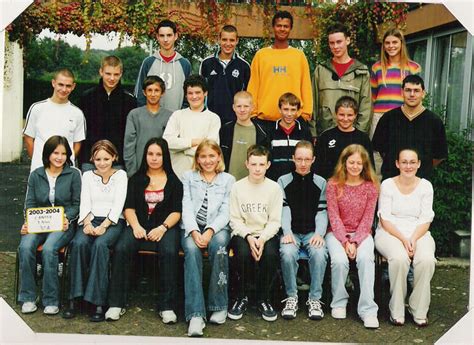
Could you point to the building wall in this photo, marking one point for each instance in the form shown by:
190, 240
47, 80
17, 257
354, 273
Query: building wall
11, 99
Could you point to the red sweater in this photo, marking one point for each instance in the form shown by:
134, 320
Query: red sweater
351, 215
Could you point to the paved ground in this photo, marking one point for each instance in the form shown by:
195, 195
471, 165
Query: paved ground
450, 287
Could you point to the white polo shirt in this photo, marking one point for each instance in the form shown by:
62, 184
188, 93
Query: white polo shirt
46, 118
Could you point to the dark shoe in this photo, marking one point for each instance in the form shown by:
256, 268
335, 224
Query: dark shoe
98, 316
238, 308
71, 311
268, 313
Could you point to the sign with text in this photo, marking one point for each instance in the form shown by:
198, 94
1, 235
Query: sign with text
44, 219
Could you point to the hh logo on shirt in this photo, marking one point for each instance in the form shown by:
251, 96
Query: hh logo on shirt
279, 69
332, 144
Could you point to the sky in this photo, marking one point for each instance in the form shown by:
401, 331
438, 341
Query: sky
109, 42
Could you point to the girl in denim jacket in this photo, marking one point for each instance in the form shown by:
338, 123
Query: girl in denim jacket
205, 223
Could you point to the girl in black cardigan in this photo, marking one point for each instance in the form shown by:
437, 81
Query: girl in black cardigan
152, 210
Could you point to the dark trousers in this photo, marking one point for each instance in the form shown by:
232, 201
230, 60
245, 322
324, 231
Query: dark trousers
89, 262
122, 259
246, 266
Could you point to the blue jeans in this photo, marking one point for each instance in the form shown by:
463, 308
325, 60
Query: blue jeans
218, 259
289, 254
365, 261
52, 243
89, 262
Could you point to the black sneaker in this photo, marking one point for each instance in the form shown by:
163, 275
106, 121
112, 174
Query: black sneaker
238, 308
268, 314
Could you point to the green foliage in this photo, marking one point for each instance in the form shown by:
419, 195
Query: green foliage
452, 183
44, 56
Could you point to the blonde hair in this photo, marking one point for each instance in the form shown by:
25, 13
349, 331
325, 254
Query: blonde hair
404, 58
339, 177
243, 95
105, 145
209, 143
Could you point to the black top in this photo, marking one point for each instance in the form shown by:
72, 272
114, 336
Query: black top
106, 117
426, 133
172, 201
283, 147
330, 145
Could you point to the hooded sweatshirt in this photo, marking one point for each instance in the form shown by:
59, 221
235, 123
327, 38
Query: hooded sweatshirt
173, 73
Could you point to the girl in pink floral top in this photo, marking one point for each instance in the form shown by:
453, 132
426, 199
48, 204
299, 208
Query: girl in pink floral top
351, 198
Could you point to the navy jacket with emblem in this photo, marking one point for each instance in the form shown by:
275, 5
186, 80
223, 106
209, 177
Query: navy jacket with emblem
224, 83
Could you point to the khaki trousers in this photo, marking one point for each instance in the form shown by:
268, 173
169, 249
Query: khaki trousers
398, 265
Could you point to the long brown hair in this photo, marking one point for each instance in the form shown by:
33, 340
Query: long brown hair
404, 58
339, 177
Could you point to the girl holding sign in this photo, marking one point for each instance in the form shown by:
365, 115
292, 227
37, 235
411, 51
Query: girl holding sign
56, 183
101, 222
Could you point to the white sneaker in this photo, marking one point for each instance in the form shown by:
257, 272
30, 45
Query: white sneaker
28, 307
371, 321
51, 310
196, 326
315, 311
168, 316
114, 313
338, 313
291, 306
218, 317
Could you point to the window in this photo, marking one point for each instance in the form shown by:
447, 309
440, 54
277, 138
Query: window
446, 59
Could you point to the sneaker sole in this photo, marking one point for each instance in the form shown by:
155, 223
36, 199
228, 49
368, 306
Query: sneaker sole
269, 318
234, 317
288, 317
29, 311
316, 318
51, 314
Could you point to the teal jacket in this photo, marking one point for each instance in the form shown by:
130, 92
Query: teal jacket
67, 194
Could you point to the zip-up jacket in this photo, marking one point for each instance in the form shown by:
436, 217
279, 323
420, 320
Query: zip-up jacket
328, 88
106, 117
67, 191
283, 147
226, 135
304, 204
173, 194
224, 83
173, 73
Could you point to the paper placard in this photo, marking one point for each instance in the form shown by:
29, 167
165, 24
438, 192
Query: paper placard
45, 219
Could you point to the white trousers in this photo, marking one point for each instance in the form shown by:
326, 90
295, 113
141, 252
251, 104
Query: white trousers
399, 264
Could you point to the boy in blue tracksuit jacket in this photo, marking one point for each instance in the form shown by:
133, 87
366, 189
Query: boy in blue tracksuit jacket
226, 74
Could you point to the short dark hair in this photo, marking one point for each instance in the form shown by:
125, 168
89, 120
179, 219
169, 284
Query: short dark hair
414, 79
338, 27
154, 79
346, 102
166, 23
258, 150
408, 148
65, 72
228, 28
282, 15
289, 98
163, 144
195, 80
51, 144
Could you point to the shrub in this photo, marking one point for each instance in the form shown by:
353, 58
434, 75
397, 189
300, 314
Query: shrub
452, 183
